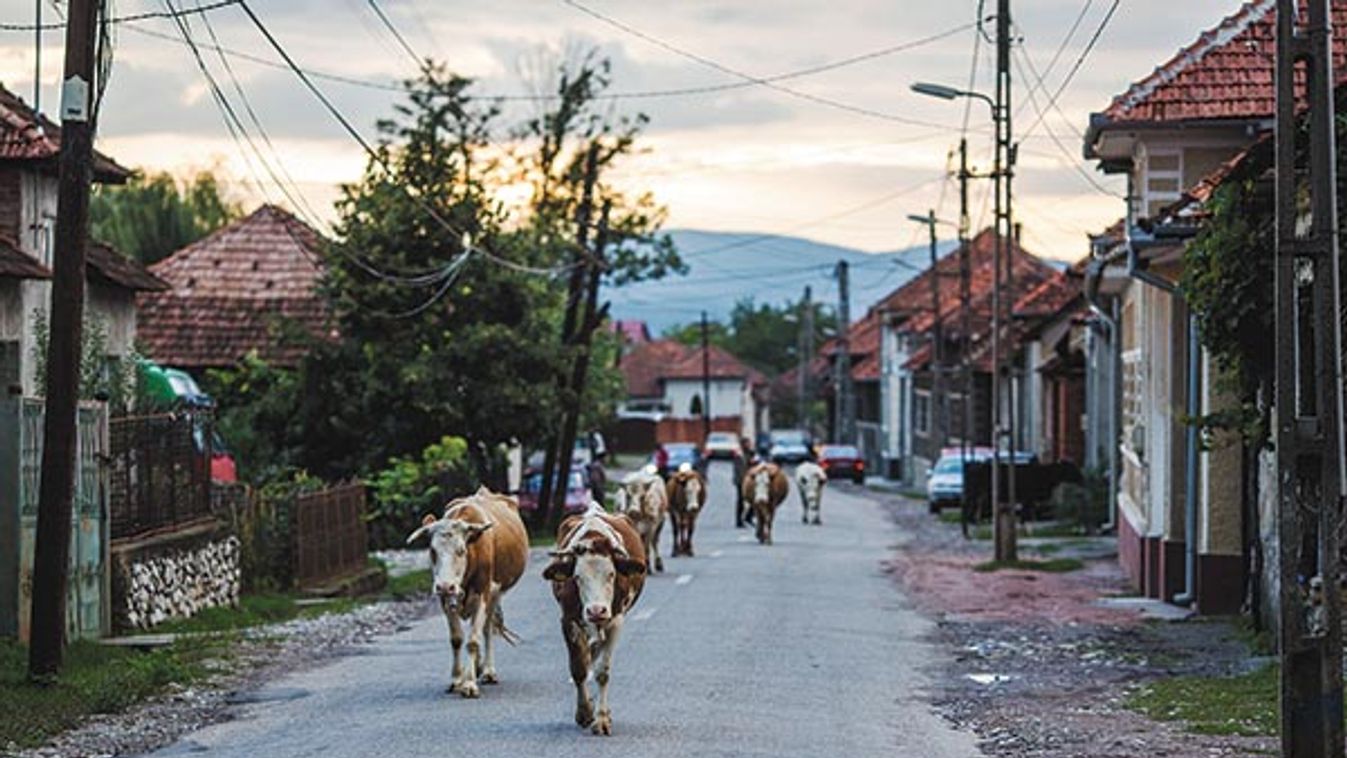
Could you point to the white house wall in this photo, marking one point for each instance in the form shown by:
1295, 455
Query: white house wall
728, 397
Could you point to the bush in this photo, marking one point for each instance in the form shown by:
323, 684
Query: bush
263, 523
1085, 504
410, 488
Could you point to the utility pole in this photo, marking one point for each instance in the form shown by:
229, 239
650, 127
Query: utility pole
938, 400
965, 300
1309, 443
845, 417
56, 490
706, 377
592, 317
1004, 516
806, 353
574, 293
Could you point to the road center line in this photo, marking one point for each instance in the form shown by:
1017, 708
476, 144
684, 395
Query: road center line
717, 553
644, 614
683, 578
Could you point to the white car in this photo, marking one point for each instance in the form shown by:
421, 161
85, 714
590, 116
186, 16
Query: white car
720, 445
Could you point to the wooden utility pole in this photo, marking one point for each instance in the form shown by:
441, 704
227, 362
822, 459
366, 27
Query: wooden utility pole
938, 399
706, 377
806, 356
1309, 443
590, 319
965, 300
845, 402
580, 259
56, 491
1003, 423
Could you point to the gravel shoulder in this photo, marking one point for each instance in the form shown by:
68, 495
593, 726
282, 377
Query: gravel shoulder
259, 655
1037, 667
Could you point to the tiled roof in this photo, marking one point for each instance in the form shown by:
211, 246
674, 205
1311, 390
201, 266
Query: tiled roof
649, 364
29, 136
16, 264
630, 332
116, 269
232, 290
1226, 74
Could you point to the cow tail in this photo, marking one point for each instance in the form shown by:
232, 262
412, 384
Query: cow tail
502, 631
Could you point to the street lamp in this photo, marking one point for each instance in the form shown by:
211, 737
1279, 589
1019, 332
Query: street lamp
944, 92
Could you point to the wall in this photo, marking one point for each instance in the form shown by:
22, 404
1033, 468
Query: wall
174, 576
727, 397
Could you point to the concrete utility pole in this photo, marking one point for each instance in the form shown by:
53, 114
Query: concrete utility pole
939, 401
1004, 516
1309, 423
806, 354
965, 301
845, 424
706, 377
574, 292
57, 488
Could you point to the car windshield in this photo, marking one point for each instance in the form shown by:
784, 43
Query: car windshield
788, 438
949, 466
720, 438
840, 451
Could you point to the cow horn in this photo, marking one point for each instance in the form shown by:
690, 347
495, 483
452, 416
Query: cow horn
426, 525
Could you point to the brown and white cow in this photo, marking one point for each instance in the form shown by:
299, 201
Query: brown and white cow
478, 551
597, 574
643, 499
810, 478
765, 486
687, 497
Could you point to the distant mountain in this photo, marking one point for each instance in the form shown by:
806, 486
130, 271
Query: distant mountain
725, 267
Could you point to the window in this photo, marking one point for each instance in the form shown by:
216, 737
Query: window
695, 407
1162, 180
921, 412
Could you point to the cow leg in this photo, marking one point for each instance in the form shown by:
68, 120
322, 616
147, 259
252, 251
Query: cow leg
677, 527
456, 641
488, 675
653, 553
468, 688
603, 724
687, 544
577, 646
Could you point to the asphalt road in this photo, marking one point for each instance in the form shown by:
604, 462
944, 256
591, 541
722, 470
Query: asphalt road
799, 649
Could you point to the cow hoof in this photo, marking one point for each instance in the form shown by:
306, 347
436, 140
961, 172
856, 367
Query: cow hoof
489, 677
469, 691
584, 716
659, 565
817, 522
603, 725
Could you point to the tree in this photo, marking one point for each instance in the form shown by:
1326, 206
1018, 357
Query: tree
764, 336
153, 215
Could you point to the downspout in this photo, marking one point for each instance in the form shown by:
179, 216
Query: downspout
1192, 409
1110, 323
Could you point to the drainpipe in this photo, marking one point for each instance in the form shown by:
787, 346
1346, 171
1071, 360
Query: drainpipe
1109, 321
1192, 409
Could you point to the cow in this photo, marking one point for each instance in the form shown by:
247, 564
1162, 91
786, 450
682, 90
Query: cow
810, 478
687, 497
764, 487
597, 573
644, 500
478, 551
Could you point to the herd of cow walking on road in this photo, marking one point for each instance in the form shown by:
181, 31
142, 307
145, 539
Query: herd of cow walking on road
479, 551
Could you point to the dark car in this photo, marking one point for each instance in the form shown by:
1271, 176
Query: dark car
789, 446
669, 456
578, 495
842, 462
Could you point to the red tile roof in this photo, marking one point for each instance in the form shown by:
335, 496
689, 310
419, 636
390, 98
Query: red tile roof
1226, 74
234, 291
649, 364
111, 267
16, 264
630, 332
26, 135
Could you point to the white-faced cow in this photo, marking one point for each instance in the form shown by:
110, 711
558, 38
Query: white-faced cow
644, 500
810, 478
687, 497
597, 573
764, 487
478, 550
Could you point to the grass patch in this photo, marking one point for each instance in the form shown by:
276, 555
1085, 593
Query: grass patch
1056, 529
1244, 705
414, 584
256, 610
96, 679
948, 516
1054, 566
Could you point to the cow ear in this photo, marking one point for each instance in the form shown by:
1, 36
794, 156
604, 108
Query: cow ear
628, 566
477, 530
428, 519
426, 524
559, 569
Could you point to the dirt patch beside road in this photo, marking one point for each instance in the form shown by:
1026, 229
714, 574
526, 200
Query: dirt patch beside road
1039, 668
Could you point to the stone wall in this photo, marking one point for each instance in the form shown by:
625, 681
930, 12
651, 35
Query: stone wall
174, 576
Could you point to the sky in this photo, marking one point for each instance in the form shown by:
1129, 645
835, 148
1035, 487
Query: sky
833, 156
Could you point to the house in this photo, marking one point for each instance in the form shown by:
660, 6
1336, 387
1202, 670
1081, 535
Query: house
1181, 510
630, 333
250, 287
1050, 361
665, 385
29, 149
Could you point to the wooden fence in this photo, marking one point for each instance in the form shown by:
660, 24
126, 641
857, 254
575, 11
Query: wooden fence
330, 536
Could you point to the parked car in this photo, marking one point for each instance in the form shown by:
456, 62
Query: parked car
170, 389
670, 455
842, 462
721, 445
944, 485
578, 495
789, 446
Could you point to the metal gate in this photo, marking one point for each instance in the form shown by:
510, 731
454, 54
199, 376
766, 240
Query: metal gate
88, 613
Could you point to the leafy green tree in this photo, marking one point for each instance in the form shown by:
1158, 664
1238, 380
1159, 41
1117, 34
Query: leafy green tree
153, 215
764, 336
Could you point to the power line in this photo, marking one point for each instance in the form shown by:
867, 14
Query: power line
710, 63
1061, 48
58, 25
397, 35
1075, 68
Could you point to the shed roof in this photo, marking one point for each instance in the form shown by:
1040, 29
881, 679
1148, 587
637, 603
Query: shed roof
16, 264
